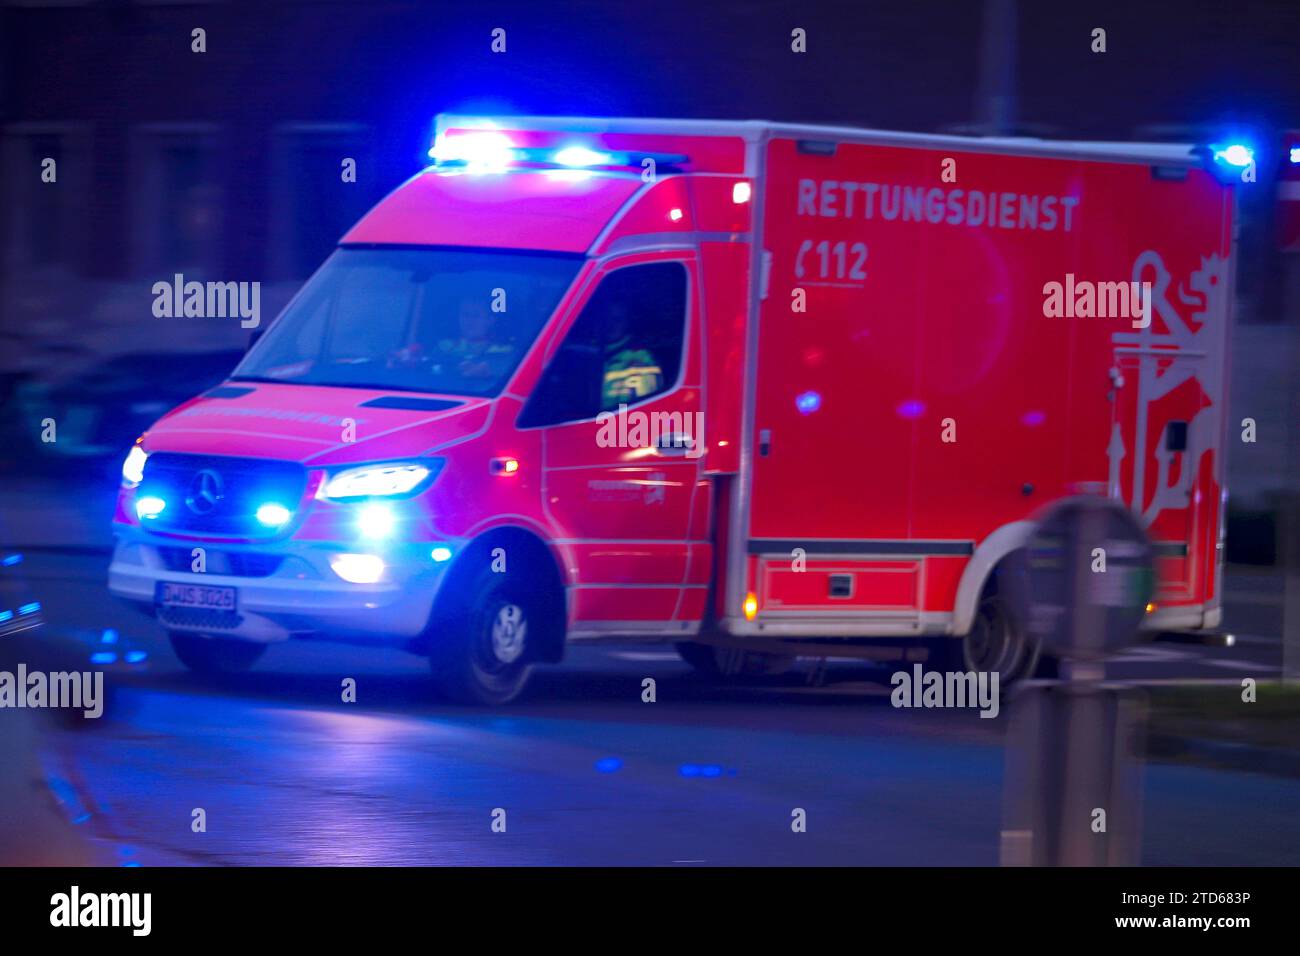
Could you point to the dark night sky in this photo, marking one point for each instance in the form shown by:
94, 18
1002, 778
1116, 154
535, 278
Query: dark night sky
1173, 69
909, 65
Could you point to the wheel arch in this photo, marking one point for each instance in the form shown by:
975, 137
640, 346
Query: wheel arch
526, 554
987, 555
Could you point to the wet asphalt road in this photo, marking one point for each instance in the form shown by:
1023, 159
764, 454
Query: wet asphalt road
585, 771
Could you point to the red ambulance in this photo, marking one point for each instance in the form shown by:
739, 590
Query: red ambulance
759, 390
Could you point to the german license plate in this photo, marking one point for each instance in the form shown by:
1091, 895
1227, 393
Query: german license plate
170, 594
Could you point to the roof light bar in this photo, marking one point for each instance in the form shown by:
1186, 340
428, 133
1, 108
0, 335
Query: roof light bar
490, 150
582, 156
480, 150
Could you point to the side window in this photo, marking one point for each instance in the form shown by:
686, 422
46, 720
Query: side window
625, 347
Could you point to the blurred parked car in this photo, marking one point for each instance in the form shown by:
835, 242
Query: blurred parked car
99, 412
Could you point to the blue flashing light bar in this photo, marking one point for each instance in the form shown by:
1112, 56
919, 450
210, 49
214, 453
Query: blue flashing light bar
493, 151
582, 156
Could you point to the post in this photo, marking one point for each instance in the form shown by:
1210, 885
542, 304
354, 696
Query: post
1073, 782
995, 91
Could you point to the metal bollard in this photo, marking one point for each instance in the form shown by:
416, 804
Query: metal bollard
1072, 791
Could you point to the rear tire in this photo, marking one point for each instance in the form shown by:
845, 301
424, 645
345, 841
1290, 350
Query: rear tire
998, 642
482, 651
215, 655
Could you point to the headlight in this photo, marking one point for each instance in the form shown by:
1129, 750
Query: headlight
387, 480
133, 467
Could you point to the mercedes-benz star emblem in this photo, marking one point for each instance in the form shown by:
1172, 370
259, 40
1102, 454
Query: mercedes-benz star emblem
205, 491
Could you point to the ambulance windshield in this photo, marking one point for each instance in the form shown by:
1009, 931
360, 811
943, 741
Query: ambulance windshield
456, 321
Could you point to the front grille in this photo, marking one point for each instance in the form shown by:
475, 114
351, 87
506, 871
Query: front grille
200, 618
218, 495
240, 564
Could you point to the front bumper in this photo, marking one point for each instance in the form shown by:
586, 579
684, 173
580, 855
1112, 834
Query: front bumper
301, 596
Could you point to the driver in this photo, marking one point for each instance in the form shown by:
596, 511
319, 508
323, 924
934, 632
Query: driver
630, 373
477, 352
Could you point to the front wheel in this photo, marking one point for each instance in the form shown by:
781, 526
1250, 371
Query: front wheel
215, 655
482, 653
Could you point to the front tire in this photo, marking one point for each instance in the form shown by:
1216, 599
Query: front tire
215, 655
482, 653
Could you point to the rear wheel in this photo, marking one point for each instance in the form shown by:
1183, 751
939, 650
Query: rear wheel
482, 652
215, 655
998, 642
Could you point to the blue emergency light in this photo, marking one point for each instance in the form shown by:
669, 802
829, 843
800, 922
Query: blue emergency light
273, 514
580, 156
1228, 162
1236, 154
494, 151
150, 506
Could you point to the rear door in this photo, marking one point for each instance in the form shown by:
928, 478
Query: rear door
1165, 455
1154, 446
1165, 451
